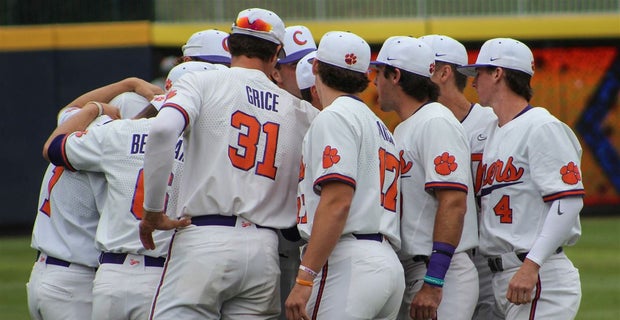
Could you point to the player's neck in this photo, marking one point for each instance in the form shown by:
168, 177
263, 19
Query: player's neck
456, 102
507, 106
407, 106
252, 63
327, 95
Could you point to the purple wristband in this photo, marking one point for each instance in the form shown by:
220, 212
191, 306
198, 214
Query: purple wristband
439, 261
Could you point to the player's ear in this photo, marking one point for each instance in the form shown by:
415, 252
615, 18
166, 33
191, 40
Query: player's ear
395, 75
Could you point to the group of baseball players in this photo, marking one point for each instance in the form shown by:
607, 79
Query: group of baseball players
258, 185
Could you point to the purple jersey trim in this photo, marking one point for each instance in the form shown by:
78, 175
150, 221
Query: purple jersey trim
319, 296
57, 154
563, 194
332, 177
446, 186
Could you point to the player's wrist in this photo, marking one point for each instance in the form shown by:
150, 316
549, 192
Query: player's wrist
305, 283
99, 107
438, 263
308, 271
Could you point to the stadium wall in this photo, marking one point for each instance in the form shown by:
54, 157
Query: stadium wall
46, 66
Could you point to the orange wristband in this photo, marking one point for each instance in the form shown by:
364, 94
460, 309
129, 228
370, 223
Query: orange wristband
304, 283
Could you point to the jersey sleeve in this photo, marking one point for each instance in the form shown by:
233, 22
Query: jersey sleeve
185, 97
555, 160
334, 150
84, 150
446, 155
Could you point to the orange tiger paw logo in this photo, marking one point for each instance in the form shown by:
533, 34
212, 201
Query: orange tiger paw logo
570, 173
330, 157
350, 59
445, 164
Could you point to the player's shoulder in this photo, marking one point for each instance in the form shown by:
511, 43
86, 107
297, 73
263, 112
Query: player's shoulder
537, 116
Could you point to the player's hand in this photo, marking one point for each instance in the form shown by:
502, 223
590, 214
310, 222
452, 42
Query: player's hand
147, 89
111, 111
152, 221
296, 303
425, 303
522, 284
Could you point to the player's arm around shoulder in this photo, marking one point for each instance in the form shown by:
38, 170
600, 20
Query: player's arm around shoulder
108, 92
77, 122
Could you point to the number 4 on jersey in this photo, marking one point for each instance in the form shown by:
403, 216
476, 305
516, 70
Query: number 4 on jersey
502, 210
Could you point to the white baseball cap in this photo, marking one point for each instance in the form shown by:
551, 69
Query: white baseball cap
130, 104
502, 52
208, 45
298, 42
446, 49
345, 50
185, 67
303, 73
407, 53
260, 23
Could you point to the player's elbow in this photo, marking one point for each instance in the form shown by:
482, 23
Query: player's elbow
454, 201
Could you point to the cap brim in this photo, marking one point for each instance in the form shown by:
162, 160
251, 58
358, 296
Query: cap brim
470, 69
295, 57
259, 34
214, 59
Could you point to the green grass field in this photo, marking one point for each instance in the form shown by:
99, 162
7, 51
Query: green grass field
597, 255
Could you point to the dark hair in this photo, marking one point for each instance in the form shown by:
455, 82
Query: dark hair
251, 47
344, 80
419, 87
519, 82
306, 94
460, 80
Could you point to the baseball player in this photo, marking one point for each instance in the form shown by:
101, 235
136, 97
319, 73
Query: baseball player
438, 223
477, 120
298, 42
347, 197
243, 136
60, 284
207, 46
531, 190
128, 274
306, 80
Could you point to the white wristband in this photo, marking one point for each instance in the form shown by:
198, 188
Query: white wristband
308, 270
99, 106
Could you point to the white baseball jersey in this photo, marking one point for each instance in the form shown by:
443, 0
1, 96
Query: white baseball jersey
527, 163
67, 214
244, 147
116, 149
477, 125
436, 155
335, 149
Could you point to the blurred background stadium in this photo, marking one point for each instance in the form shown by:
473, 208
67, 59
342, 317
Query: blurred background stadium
53, 50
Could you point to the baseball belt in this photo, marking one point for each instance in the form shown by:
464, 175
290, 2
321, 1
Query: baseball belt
220, 220
119, 258
54, 261
369, 236
509, 260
